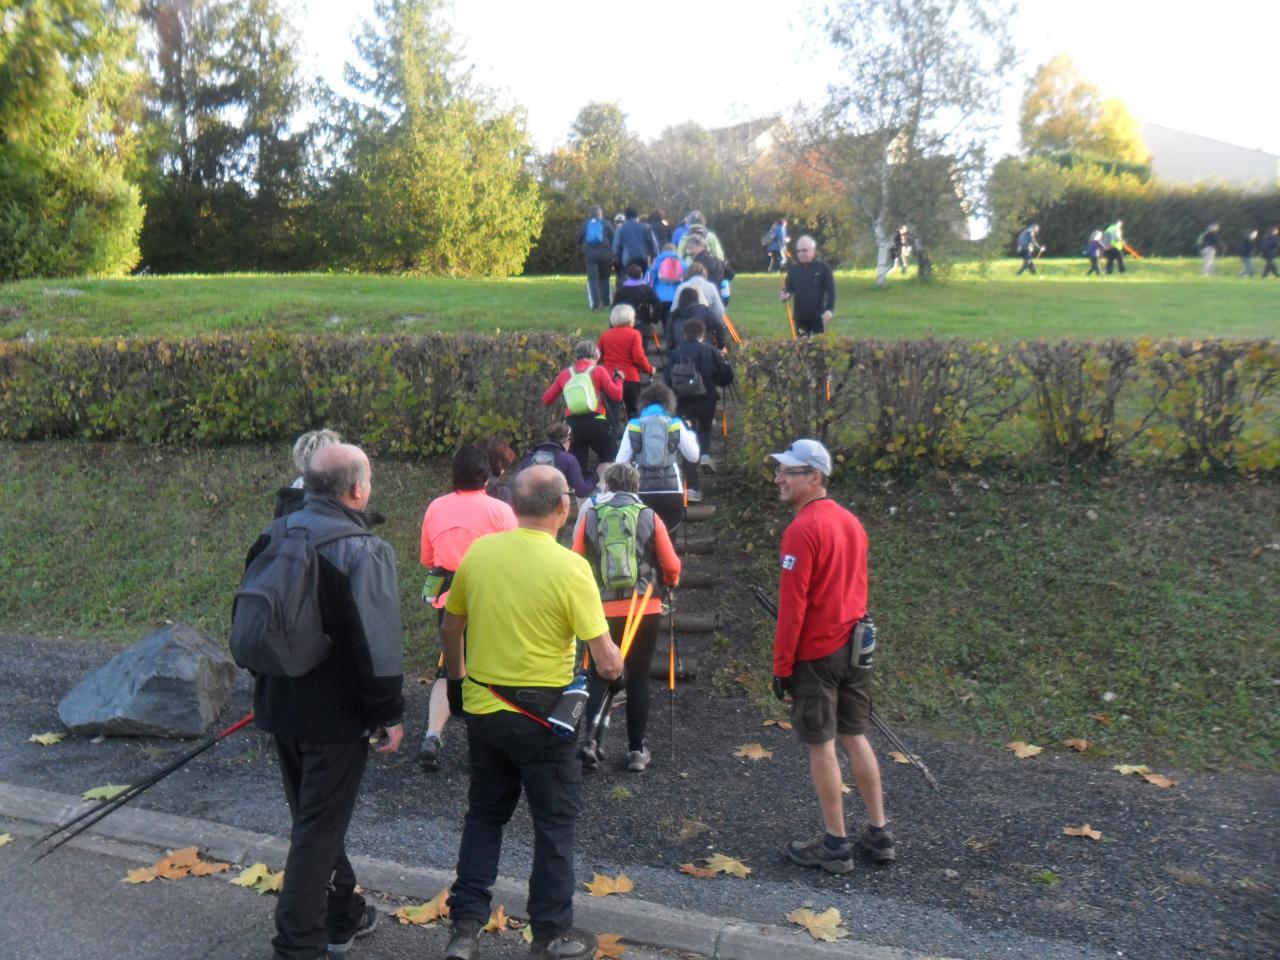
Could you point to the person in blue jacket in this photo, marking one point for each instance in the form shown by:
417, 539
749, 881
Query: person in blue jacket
633, 242
666, 276
595, 237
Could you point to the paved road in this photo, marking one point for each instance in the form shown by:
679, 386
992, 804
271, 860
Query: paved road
72, 906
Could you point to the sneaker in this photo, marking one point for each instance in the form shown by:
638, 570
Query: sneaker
365, 927
878, 843
707, 462
590, 755
695, 496
465, 942
429, 753
816, 853
638, 760
567, 945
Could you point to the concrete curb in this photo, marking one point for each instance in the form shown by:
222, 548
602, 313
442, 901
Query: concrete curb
637, 921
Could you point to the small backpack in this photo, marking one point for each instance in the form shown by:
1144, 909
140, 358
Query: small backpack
654, 442
618, 546
686, 378
595, 230
580, 392
543, 458
670, 270
276, 625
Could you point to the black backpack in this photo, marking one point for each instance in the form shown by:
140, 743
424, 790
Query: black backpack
276, 625
686, 379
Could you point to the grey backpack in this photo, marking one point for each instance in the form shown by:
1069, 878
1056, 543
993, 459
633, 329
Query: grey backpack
276, 625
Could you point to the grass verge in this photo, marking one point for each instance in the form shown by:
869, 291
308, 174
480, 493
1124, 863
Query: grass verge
1009, 610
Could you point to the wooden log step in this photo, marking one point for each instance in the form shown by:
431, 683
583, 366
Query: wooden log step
686, 667
698, 579
690, 623
694, 545
700, 511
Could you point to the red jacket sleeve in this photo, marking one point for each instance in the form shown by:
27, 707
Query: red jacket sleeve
553, 391
668, 559
610, 387
638, 355
793, 588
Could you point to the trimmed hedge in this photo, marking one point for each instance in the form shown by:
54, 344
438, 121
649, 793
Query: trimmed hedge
897, 406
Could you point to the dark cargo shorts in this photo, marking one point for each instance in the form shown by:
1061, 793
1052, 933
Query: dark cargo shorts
828, 697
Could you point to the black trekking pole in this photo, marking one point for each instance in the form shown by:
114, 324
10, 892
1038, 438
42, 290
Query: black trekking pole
671, 668
103, 808
876, 720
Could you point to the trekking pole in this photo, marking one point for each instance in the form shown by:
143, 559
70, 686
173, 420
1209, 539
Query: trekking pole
876, 720
671, 669
791, 319
597, 723
103, 808
733, 331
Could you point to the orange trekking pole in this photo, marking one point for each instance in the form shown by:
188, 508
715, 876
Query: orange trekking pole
1136, 255
733, 331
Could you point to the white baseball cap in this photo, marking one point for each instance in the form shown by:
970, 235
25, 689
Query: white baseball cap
805, 453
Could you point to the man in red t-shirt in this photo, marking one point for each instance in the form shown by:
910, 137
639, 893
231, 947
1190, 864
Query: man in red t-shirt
822, 595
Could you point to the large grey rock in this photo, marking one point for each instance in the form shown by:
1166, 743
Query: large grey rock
171, 683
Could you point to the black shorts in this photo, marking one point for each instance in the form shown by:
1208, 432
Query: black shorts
828, 697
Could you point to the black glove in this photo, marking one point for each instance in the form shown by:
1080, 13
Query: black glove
782, 687
453, 689
616, 685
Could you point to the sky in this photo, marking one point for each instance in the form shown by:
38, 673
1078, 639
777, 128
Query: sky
1182, 64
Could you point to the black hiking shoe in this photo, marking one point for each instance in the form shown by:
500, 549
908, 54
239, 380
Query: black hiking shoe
366, 926
816, 853
590, 755
878, 843
567, 945
465, 942
429, 754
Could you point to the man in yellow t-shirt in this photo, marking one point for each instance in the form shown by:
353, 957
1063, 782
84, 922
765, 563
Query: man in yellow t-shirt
523, 601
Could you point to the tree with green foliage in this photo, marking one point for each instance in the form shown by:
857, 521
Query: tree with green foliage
588, 169
428, 174
1064, 113
904, 132
225, 167
68, 79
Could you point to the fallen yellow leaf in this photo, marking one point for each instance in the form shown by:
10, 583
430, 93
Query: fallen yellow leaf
753, 751
271, 883
5, 838
603, 886
609, 946
140, 875
207, 868
1124, 769
699, 872
528, 933
46, 739
897, 756
428, 912
780, 724
720, 863
1079, 744
108, 792
1085, 831
1102, 718
250, 876
821, 926
1023, 750
845, 788
498, 920
1159, 780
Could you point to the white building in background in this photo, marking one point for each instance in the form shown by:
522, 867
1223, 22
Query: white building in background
1179, 157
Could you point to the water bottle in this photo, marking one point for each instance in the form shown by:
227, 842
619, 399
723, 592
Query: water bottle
864, 642
563, 720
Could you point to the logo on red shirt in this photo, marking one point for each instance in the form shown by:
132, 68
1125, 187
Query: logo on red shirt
788, 562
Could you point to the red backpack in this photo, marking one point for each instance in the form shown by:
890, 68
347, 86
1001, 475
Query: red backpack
670, 270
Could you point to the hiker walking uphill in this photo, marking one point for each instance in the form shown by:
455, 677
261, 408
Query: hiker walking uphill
694, 369
622, 351
775, 245
636, 293
695, 278
522, 600
822, 654
1207, 243
1094, 250
666, 276
321, 718
811, 288
553, 451
655, 441
450, 525
595, 237
584, 386
900, 249
627, 545
1029, 247
1113, 246
689, 307
633, 242
1270, 249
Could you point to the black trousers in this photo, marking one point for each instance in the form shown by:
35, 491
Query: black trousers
700, 412
1115, 258
591, 434
809, 326
1028, 262
508, 753
1270, 267
639, 658
318, 904
599, 266
1093, 267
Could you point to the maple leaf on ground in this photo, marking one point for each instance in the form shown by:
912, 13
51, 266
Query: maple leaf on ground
271, 883
428, 912
140, 875
603, 886
753, 751
250, 876
108, 792
609, 946
699, 872
206, 868
780, 724
498, 920
821, 926
1102, 718
721, 863
897, 756
1159, 780
46, 739
1078, 744
1124, 769
1023, 750
5, 838
1085, 831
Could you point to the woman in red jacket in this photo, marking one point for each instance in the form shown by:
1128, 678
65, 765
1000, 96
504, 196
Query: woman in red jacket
584, 386
621, 348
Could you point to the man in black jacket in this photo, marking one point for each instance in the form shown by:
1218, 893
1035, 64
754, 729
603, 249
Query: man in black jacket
322, 720
811, 288
595, 237
1270, 248
698, 409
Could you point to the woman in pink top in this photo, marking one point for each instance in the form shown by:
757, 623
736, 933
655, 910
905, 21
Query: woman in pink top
451, 524
621, 348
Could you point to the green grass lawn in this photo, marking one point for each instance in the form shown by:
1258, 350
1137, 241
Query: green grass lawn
1008, 610
1157, 297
